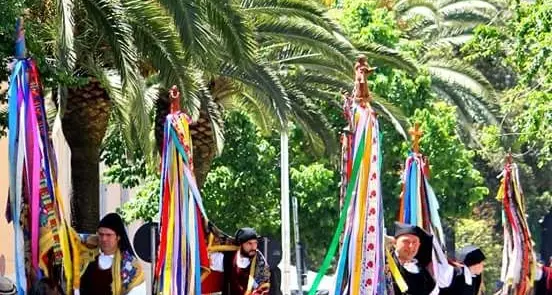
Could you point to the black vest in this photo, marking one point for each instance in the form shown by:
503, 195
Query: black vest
421, 283
96, 281
458, 285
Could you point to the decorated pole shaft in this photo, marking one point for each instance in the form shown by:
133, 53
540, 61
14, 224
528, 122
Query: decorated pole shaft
36, 207
419, 206
182, 253
360, 269
518, 261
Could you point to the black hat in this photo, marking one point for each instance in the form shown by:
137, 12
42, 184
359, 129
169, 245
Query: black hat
470, 255
426, 240
115, 223
245, 234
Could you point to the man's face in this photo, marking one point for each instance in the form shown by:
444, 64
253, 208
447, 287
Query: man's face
109, 240
477, 269
407, 247
249, 248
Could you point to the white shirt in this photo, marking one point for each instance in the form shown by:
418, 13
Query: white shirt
217, 261
410, 266
242, 262
105, 261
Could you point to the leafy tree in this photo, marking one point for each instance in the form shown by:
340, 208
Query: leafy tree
145, 206
370, 23
516, 56
11, 10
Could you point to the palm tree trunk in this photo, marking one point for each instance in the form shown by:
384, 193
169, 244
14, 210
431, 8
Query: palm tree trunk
85, 124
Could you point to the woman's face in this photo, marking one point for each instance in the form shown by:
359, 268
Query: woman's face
477, 269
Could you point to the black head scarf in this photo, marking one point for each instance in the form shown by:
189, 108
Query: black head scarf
245, 234
426, 241
470, 255
115, 223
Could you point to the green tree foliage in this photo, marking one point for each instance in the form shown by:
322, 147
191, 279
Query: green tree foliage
11, 10
518, 56
243, 187
523, 46
145, 206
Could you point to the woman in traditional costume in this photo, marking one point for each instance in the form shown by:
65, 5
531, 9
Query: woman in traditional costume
467, 278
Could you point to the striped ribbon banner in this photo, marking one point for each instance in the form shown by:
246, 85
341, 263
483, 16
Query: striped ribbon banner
36, 208
183, 247
518, 261
360, 268
419, 206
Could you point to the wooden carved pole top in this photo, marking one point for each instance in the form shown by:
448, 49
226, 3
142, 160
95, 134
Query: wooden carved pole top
416, 134
174, 98
362, 71
508, 158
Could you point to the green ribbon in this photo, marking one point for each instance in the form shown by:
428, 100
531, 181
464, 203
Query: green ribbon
341, 224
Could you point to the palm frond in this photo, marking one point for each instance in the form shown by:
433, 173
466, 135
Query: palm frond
462, 75
109, 19
404, 5
195, 33
304, 34
473, 10
233, 29
471, 108
465, 119
326, 81
392, 113
214, 113
384, 56
159, 43
427, 8
267, 87
66, 48
304, 9
313, 123
258, 113
131, 114
290, 55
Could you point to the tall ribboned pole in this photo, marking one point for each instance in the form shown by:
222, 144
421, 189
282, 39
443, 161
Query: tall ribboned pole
284, 203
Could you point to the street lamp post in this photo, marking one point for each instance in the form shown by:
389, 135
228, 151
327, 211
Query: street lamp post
284, 203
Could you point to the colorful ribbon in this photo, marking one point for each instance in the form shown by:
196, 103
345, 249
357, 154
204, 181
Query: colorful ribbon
183, 247
419, 206
518, 261
361, 262
36, 207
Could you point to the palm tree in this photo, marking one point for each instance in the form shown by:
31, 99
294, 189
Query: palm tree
443, 26
308, 60
129, 37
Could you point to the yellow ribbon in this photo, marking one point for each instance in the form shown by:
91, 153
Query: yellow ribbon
395, 272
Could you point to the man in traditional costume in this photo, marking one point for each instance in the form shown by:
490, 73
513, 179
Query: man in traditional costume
412, 254
113, 268
245, 271
467, 278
